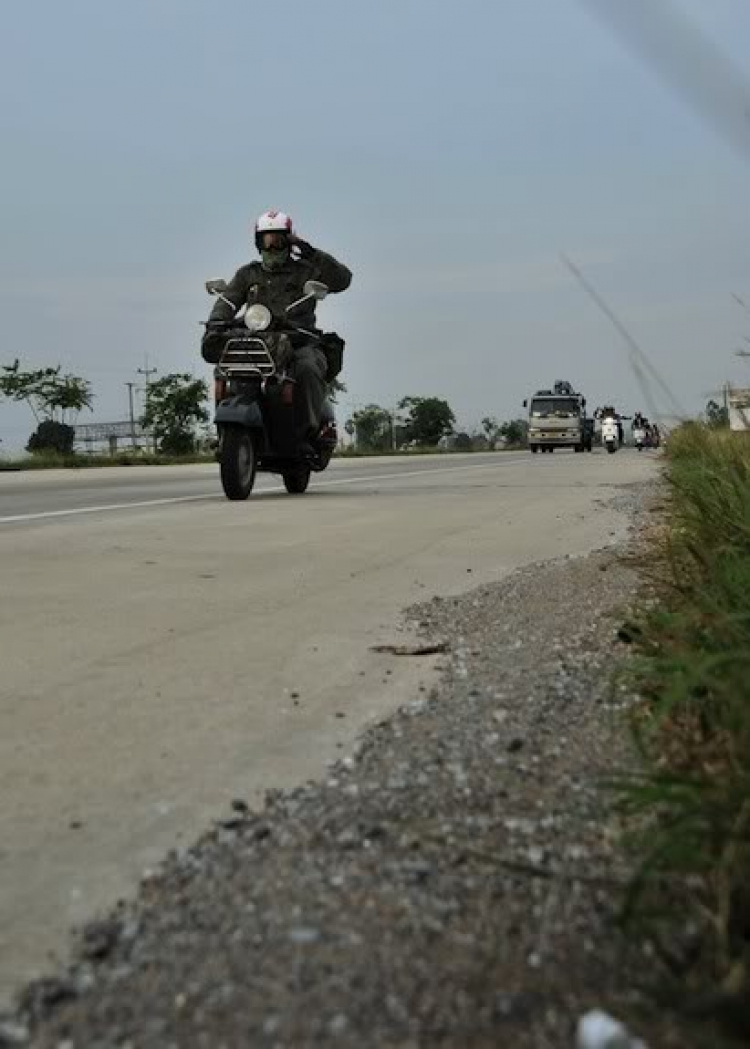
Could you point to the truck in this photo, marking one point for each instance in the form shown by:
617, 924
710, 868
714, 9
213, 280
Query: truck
557, 419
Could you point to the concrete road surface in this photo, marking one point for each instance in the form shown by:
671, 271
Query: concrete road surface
163, 651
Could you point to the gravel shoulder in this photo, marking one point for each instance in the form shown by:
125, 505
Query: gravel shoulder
454, 882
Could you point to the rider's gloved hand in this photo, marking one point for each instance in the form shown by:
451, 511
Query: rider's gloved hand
212, 327
305, 250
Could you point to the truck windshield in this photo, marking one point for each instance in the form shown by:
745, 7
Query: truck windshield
557, 407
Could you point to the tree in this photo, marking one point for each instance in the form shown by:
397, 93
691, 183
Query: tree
514, 432
491, 429
372, 427
429, 419
52, 436
53, 399
175, 406
716, 415
48, 394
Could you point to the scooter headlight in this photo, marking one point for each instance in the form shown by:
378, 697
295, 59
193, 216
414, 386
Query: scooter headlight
258, 317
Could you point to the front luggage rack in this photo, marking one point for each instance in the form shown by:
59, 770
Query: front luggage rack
246, 358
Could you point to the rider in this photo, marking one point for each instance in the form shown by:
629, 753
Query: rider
277, 281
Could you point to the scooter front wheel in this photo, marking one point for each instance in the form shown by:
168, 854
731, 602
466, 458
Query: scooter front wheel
238, 463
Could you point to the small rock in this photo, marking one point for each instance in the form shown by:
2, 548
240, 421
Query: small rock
271, 1025
12, 1034
304, 935
515, 744
338, 1024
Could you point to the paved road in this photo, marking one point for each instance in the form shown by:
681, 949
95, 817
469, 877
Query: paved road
31, 496
164, 651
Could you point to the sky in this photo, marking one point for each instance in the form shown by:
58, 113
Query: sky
446, 150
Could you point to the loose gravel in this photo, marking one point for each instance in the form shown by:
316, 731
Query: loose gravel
454, 883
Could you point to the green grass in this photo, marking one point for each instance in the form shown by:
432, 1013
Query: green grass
51, 461
84, 462
691, 805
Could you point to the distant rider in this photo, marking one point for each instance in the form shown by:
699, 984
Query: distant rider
277, 281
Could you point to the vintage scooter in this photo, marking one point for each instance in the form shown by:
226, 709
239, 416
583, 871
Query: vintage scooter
254, 397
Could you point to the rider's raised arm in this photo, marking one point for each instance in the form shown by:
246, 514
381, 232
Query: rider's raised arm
330, 271
236, 293
333, 273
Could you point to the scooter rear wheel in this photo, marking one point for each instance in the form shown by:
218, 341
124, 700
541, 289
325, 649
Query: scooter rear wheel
238, 463
297, 480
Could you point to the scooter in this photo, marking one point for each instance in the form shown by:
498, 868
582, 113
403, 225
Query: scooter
610, 436
254, 398
639, 437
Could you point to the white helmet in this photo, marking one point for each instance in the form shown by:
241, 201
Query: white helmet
272, 222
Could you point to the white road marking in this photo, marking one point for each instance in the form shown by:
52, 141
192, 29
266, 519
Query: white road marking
112, 507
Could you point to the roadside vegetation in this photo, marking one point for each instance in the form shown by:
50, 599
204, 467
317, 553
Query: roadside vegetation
79, 461
691, 805
174, 426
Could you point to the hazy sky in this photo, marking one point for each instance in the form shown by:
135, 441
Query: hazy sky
446, 151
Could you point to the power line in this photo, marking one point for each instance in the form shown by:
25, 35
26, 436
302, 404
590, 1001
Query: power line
639, 362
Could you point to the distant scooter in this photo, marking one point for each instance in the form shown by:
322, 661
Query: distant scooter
639, 437
610, 436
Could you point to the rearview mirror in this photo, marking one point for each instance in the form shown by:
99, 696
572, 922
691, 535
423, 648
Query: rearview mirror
216, 287
315, 288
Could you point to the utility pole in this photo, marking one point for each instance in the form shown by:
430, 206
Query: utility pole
130, 386
148, 372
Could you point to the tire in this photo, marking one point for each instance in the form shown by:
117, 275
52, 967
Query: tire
577, 448
237, 463
297, 480
611, 449
534, 449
